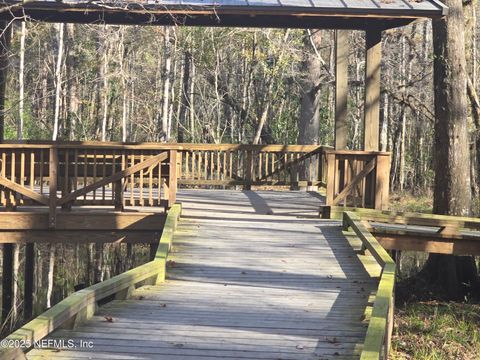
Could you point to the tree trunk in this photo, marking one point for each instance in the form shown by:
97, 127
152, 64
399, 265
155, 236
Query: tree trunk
166, 84
184, 98
58, 80
73, 101
21, 78
452, 193
15, 292
51, 268
309, 121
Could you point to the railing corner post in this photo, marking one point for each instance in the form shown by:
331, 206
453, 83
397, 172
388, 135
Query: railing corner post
53, 179
172, 178
330, 177
249, 169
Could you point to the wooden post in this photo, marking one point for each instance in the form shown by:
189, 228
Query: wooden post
5, 37
7, 281
330, 178
118, 186
341, 88
382, 176
52, 179
172, 178
249, 170
29, 280
371, 120
118, 194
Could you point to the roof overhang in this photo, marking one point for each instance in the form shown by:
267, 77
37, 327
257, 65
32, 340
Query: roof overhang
318, 14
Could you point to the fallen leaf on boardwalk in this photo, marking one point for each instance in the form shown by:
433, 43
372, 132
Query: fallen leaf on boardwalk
331, 341
108, 319
243, 272
171, 263
336, 354
163, 305
329, 277
300, 347
178, 345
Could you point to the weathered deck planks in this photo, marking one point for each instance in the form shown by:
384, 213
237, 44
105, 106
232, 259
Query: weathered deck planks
255, 275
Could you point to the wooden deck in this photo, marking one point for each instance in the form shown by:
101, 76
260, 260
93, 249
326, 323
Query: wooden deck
253, 275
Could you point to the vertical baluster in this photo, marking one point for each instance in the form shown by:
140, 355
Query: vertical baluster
104, 175
260, 159
66, 178
4, 163
192, 176
159, 185
41, 171
187, 164
32, 170
85, 171
206, 165
52, 179
150, 184
22, 172
238, 162
218, 165
362, 164
12, 178
347, 178
299, 175
75, 170
230, 156
94, 174
267, 163
199, 164
140, 186
224, 168
114, 170
132, 179
272, 166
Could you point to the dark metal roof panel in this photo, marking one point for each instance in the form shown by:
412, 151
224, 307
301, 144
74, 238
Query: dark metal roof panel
258, 13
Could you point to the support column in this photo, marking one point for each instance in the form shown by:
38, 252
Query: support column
5, 36
341, 88
29, 280
7, 281
371, 120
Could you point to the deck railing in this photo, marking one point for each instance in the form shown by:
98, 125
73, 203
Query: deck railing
246, 165
358, 178
146, 174
68, 174
379, 333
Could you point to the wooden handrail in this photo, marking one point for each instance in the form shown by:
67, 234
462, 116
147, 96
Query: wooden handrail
413, 218
377, 340
82, 304
157, 146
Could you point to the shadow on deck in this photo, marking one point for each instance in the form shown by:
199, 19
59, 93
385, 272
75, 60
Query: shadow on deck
253, 275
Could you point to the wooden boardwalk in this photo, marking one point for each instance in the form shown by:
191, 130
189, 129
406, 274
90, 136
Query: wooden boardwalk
253, 275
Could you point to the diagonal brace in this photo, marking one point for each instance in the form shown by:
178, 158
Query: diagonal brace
361, 175
42, 199
115, 177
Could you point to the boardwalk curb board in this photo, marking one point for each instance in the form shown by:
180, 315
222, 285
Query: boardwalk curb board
379, 332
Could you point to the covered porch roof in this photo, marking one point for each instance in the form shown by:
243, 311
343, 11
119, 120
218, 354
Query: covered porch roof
320, 14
